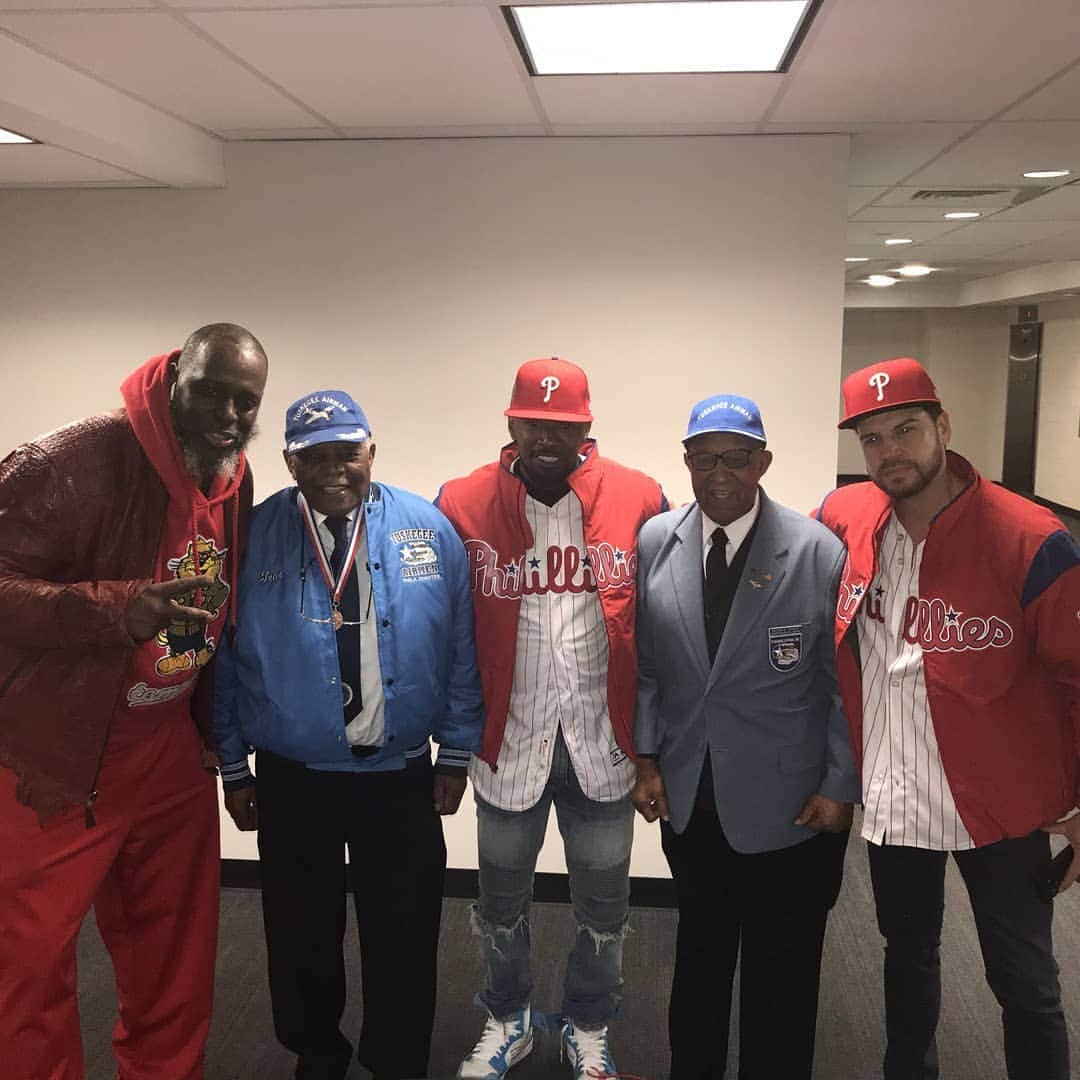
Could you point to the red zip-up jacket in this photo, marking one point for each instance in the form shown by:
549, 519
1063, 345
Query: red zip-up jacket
998, 619
487, 508
81, 515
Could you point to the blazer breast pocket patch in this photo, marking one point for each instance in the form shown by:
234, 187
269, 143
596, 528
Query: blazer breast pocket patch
785, 647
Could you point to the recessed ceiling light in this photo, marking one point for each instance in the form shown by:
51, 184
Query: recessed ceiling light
697, 36
914, 270
894, 240
881, 281
13, 137
1047, 174
961, 215
857, 258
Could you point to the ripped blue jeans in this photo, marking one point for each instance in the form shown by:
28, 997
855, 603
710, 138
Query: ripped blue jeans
596, 838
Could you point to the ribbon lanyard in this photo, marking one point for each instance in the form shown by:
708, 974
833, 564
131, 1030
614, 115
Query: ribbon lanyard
335, 588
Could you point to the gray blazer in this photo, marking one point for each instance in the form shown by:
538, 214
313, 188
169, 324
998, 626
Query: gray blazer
768, 708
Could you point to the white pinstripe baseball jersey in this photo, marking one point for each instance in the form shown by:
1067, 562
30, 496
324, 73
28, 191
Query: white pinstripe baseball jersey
560, 672
906, 795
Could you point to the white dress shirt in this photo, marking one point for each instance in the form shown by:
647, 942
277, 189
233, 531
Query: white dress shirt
736, 532
367, 728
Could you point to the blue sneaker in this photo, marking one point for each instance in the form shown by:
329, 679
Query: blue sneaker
587, 1051
501, 1046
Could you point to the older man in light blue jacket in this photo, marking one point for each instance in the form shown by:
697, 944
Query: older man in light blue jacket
743, 749
353, 645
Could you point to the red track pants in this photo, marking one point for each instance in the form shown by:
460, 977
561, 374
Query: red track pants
150, 867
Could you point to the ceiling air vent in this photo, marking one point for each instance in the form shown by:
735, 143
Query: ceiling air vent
959, 193
986, 200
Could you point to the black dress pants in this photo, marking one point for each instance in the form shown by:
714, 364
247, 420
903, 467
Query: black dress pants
775, 904
397, 860
1014, 933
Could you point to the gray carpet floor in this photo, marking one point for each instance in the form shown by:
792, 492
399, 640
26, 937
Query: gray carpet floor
850, 1039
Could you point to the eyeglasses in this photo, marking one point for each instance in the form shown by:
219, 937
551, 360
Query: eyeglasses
736, 458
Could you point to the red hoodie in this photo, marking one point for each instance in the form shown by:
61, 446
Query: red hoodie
165, 669
82, 511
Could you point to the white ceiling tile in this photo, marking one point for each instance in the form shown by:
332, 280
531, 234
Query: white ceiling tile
1060, 100
678, 99
276, 134
448, 131
875, 232
874, 250
919, 59
1001, 233
37, 164
31, 6
300, 5
1062, 204
887, 154
385, 66
902, 214
1000, 154
162, 62
946, 255
858, 197
655, 128
884, 153
1063, 246
990, 268
867, 251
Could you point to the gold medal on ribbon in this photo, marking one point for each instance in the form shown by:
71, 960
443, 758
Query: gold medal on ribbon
334, 587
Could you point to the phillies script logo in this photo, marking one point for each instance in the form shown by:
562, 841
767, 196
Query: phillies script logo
563, 569
938, 627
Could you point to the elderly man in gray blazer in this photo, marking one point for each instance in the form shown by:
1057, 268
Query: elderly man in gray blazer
743, 749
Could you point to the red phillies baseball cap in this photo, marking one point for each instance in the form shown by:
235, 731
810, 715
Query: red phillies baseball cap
550, 389
887, 385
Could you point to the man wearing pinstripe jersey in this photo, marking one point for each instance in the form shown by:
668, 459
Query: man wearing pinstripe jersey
551, 533
958, 652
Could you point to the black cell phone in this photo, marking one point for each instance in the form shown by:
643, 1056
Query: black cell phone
1048, 876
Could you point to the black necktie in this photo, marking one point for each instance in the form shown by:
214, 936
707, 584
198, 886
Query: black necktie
348, 637
717, 591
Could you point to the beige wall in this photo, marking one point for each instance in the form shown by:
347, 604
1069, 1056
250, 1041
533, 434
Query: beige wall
871, 335
417, 275
1057, 461
966, 351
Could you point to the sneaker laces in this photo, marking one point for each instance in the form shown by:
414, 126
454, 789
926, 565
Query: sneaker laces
495, 1036
591, 1052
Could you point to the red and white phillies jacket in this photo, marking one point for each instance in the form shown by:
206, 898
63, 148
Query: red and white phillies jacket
998, 619
487, 508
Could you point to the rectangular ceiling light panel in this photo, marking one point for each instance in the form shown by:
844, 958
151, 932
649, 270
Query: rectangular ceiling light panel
639, 38
12, 137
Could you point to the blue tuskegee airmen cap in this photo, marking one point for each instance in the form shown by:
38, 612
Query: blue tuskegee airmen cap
322, 417
725, 413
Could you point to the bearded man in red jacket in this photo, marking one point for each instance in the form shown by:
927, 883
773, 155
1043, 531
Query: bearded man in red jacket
551, 534
958, 656
120, 537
